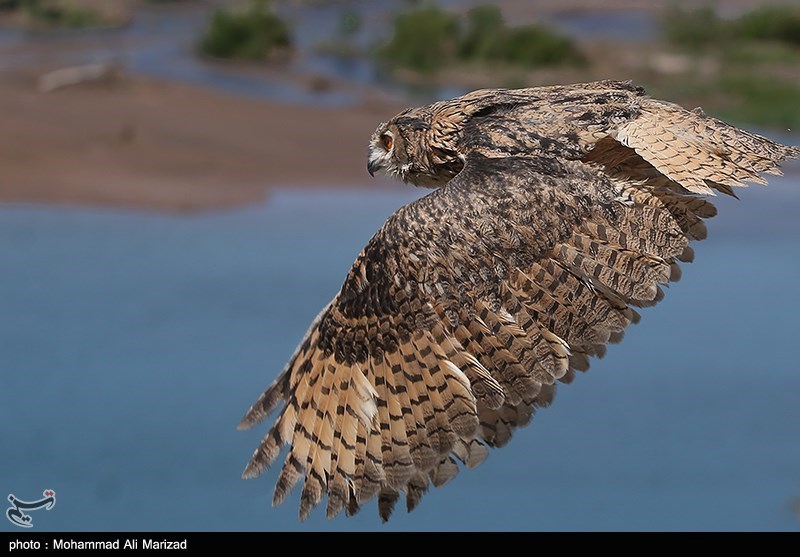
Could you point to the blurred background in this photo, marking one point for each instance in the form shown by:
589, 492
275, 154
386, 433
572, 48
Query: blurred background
183, 187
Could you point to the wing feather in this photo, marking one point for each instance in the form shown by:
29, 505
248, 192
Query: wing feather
429, 348
701, 153
465, 309
344, 444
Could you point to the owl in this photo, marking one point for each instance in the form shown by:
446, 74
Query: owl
556, 213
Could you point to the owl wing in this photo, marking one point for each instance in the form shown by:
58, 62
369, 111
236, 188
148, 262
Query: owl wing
462, 312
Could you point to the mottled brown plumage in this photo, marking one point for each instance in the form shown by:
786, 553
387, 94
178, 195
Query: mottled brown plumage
559, 211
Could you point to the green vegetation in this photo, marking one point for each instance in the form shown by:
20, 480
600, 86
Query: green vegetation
771, 23
702, 27
760, 54
765, 102
428, 39
8, 5
754, 61
487, 38
55, 13
744, 70
735, 96
425, 40
254, 33
691, 28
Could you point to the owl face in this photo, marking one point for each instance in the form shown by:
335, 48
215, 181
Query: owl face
387, 152
401, 148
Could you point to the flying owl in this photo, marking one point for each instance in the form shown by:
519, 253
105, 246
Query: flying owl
557, 213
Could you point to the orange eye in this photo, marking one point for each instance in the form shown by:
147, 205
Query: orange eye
388, 141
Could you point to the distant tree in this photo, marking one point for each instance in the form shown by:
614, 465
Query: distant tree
775, 23
427, 39
250, 34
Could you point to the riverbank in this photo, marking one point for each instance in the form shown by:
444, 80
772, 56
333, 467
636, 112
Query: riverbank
144, 143
173, 132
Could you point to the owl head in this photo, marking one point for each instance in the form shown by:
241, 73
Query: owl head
410, 148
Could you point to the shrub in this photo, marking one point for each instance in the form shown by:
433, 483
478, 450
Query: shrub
6, 5
428, 39
535, 45
761, 101
57, 14
483, 35
701, 27
692, 28
425, 40
775, 23
252, 34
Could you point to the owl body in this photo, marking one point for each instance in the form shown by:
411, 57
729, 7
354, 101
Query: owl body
558, 212
563, 121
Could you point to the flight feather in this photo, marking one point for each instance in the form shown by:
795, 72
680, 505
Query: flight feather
558, 212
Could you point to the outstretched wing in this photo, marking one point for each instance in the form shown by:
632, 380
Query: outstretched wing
462, 312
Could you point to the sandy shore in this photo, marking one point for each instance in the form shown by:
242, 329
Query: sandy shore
143, 143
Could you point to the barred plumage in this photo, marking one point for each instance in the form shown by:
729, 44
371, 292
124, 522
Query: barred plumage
559, 210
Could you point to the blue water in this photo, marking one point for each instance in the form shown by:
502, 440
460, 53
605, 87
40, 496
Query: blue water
131, 344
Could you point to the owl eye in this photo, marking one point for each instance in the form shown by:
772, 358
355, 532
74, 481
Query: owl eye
388, 141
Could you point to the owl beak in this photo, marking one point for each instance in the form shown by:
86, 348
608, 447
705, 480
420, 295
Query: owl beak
373, 166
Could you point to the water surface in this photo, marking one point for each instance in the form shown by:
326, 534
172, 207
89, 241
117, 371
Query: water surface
133, 343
